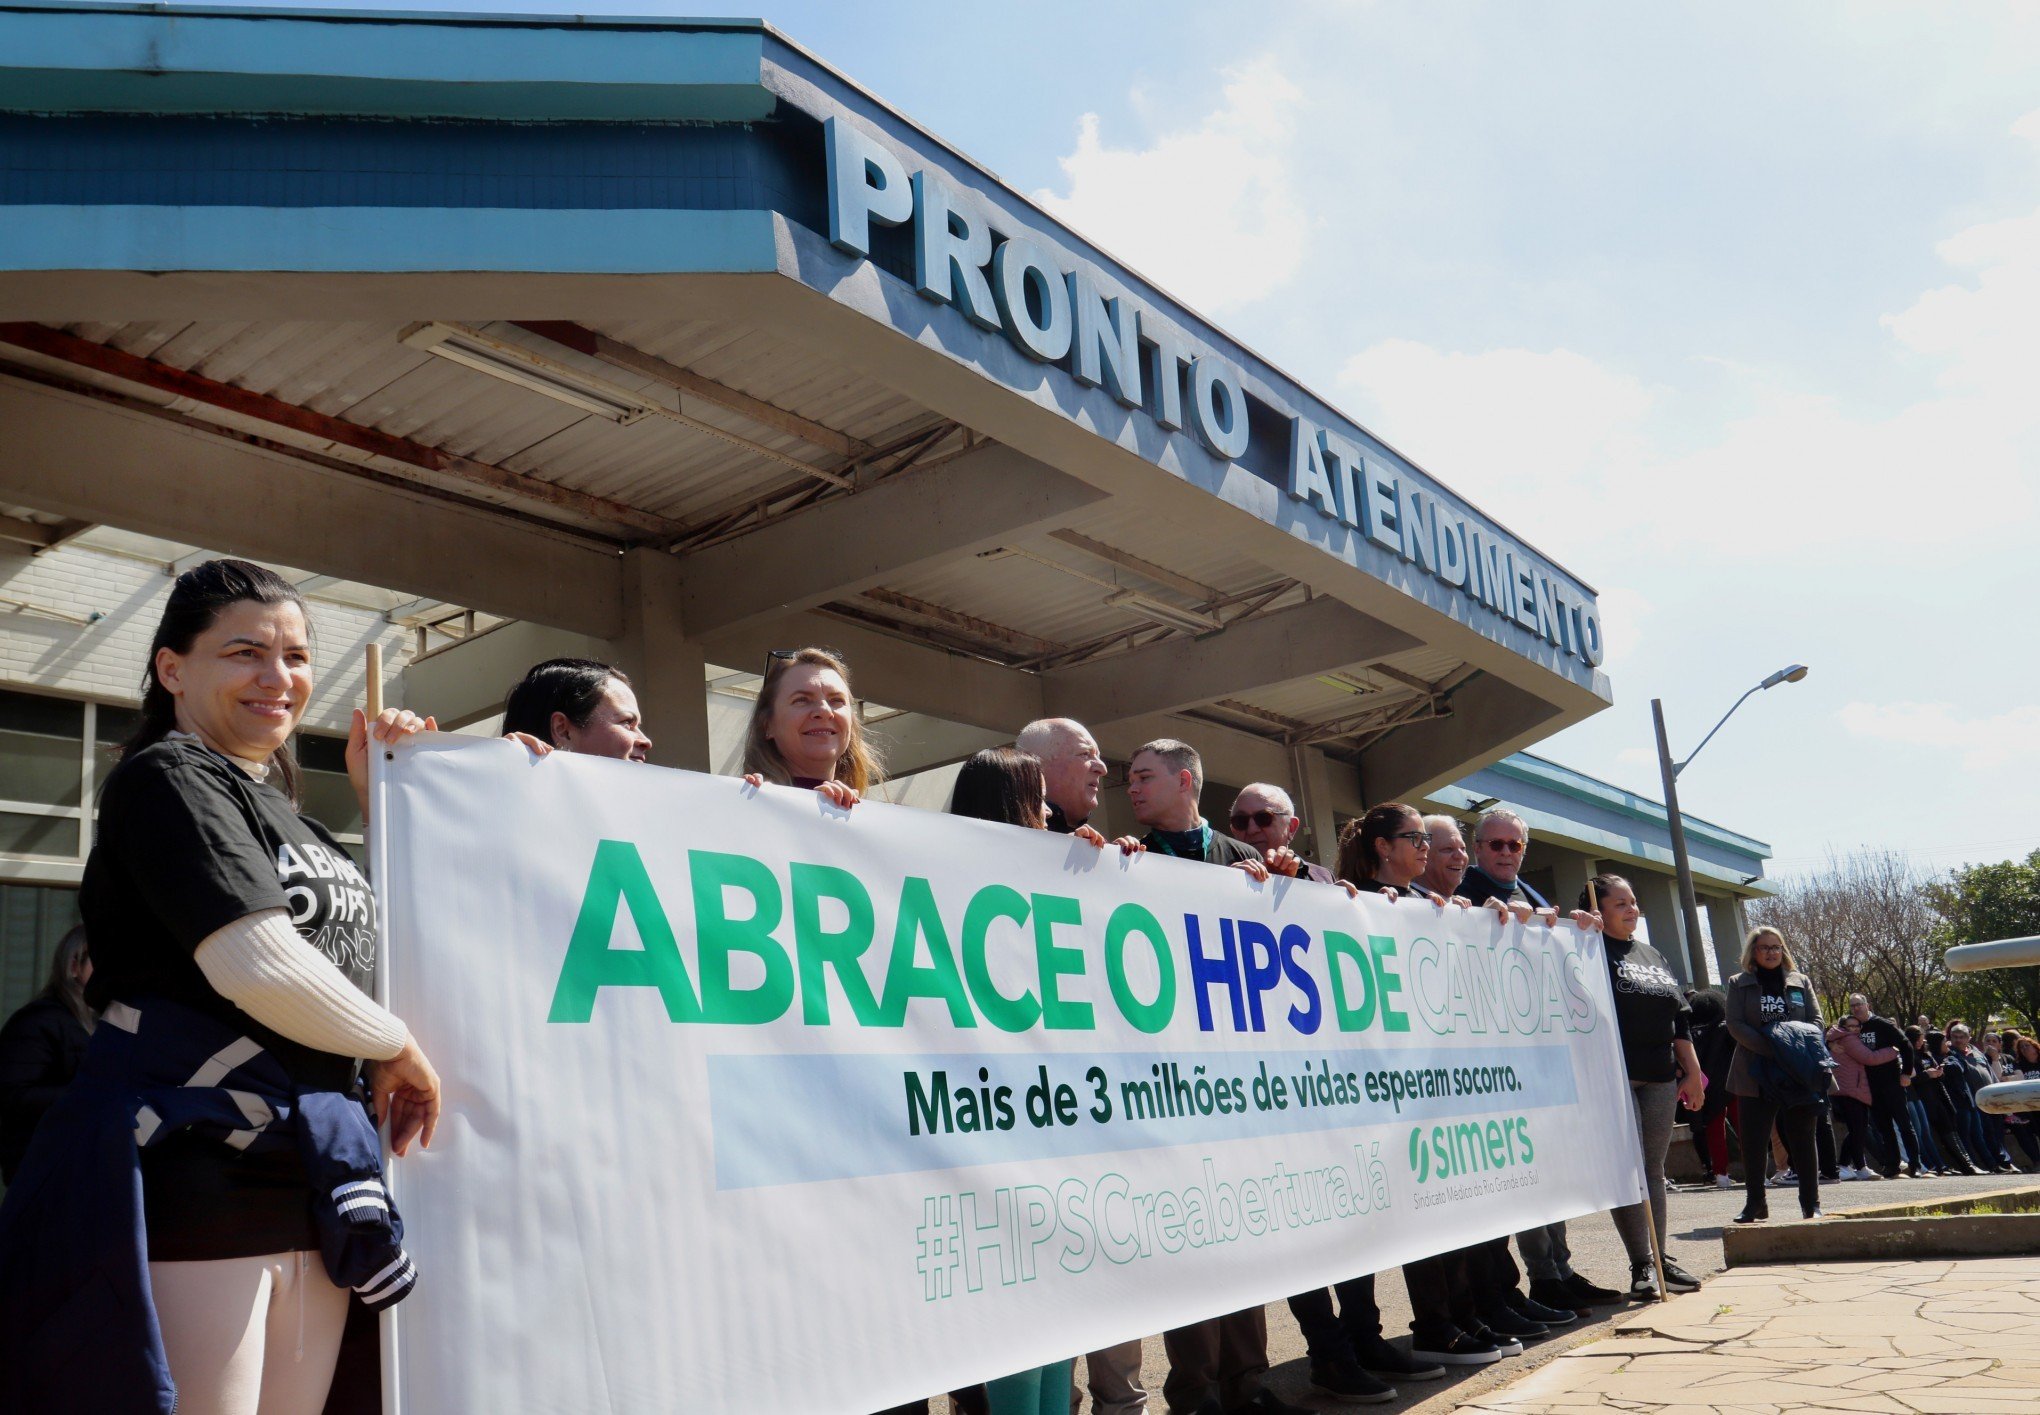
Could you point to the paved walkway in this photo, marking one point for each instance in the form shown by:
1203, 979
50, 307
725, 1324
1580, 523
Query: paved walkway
1915, 1338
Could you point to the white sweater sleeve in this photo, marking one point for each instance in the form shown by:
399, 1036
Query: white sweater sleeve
261, 965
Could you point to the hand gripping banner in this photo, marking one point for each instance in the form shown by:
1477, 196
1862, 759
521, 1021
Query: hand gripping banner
754, 1104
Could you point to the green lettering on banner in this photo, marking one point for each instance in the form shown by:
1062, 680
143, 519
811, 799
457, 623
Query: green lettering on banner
618, 877
717, 936
905, 978
1339, 947
821, 950
986, 907
1133, 919
1393, 1018
1056, 960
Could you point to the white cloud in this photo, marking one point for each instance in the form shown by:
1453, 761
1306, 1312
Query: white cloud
1985, 743
1212, 213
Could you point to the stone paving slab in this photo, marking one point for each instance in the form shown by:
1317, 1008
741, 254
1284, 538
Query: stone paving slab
1873, 1338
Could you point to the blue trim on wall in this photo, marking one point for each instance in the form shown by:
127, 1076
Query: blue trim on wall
396, 239
87, 59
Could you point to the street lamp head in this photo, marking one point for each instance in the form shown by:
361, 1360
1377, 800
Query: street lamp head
1791, 674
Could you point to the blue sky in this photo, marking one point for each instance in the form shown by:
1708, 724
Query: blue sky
1731, 308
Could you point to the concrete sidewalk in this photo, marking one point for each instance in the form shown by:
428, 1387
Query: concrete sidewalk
1912, 1338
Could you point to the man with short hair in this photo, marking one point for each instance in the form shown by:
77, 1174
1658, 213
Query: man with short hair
1070, 765
1264, 817
1500, 840
1216, 1365
1164, 781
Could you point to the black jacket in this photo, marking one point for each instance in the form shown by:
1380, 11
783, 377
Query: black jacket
41, 1048
1749, 1020
1480, 887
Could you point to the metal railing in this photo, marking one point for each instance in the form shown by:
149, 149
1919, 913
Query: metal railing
2003, 1097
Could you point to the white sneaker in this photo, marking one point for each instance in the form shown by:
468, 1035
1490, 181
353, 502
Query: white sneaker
1784, 1179
1722, 1181
1846, 1172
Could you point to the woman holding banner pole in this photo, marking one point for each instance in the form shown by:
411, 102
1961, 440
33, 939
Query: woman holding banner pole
1652, 1016
221, 921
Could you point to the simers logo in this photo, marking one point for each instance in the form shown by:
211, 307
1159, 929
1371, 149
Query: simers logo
1470, 1147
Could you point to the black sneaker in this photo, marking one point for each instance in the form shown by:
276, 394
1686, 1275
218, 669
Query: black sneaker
1344, 1381
1383, 1358
1266, 1402
1503, 1345
1586, 1292
1642, 1283
1677, 1279
1753, 1216
1537, 1312
1465, 1349
1506, 1321
1551, 1292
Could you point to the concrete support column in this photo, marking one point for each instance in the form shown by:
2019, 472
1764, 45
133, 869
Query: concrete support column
1570, 871
1725, 921
1312, 788
1658, 895
667, 669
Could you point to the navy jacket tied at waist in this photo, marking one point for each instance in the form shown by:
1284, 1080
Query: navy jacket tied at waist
78, 1328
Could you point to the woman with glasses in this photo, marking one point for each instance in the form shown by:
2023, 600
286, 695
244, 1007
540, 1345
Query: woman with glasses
1653, 1019
1770, 990
805, 730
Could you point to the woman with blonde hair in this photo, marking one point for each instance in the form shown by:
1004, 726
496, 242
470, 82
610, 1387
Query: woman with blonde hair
805, 730
1770, 991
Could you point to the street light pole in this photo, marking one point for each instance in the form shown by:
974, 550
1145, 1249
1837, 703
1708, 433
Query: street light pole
1689, 906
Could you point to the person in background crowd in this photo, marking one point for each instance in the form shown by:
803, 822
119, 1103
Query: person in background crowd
1714, 1046
1931, 1086
1653, 1019
1007, 785
1491, 1274
2010, 1129
1500, 839
193, 937
41, 1048
1891, 1127
577, 705
1968, 1070
1853, 1059
805, 731
1770, 990
2022, 1061
1164, 782
1929, 1157
1072, 766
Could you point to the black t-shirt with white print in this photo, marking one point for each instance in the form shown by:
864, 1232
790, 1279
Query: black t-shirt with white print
1650, 1009
187, 843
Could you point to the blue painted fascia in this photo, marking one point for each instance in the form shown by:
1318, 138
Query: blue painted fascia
69, 59
1526, 767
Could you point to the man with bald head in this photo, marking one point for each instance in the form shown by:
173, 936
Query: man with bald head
1071, 766
1265, 818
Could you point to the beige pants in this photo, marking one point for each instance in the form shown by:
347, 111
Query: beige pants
250, 1336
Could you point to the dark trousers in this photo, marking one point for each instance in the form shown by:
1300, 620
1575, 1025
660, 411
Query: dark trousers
1441, 1296
1855, 1118
1892, 1127
1824, 1141
1224, 1357
1333, 1335
1795, 1123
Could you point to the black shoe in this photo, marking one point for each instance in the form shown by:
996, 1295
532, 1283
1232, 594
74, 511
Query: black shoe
1642, 1283
1209, 1406
1586, 1292
1753, 1216
1464, 1349
1811, 1214
1550, 1292
1834, 1178
1344, 1381
1537, 1312
1503, 1345
1677, 1279
1266, 1402
1506, 1321
1383, 1358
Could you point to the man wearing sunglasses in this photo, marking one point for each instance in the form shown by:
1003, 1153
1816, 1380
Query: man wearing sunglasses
1265, 818
1498, 845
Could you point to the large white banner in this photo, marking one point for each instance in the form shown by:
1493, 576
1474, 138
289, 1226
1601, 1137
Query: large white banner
758, 1105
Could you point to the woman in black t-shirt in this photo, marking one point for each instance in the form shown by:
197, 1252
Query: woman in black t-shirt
206, 888
1654, 1020
1770, 990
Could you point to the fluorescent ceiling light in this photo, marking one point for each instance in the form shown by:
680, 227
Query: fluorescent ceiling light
1162, 612
513, 363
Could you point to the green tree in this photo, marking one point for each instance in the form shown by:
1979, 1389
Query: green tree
1979, 903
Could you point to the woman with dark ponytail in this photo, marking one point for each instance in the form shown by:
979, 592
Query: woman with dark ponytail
175, 1202
41, 1047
